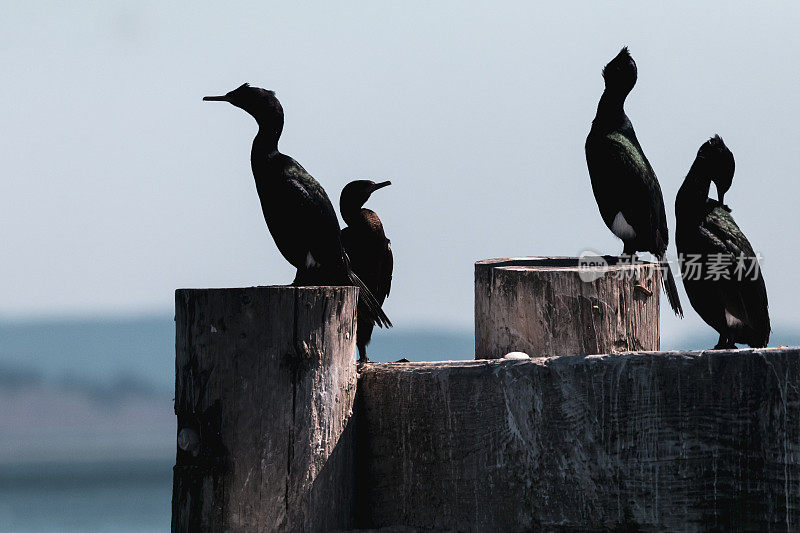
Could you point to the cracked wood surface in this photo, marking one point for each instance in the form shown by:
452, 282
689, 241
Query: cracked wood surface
541, 306
265, 385
668, 441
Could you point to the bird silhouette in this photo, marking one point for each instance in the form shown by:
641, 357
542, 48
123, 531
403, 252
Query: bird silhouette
297, 210
368, 248
720, 270
624, 184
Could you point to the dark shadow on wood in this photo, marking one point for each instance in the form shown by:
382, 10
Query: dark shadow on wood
332, 493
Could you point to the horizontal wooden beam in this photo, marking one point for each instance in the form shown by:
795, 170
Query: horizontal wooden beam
669, 440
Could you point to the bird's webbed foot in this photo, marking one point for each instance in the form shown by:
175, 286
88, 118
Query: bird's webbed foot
725, 343
629, 253
362, 356
628, 257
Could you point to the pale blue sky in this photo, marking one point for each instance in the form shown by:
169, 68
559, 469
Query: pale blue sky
119, 184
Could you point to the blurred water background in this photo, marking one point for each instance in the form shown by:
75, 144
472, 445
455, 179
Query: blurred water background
87, 428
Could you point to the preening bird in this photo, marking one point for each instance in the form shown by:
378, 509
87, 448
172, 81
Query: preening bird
298, 213
719, 267
368, 249
624, 184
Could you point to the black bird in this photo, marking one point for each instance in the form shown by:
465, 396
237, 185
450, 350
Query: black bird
624, 184
298, 213
368, 249
719, 268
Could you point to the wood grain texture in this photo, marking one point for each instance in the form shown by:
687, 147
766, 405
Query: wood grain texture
266, 378
669, 441
541, 306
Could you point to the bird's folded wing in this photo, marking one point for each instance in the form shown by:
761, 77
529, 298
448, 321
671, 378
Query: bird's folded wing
636, 187
315, 219
744, 293
386, 274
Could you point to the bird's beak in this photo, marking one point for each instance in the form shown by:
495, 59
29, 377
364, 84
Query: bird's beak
380, 185
223, 98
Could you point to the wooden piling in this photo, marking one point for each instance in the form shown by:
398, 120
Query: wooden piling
545, 306
266, 440
265, 380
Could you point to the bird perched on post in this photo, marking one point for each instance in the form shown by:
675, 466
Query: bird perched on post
368, 249
624, 184
298, 213
719, 267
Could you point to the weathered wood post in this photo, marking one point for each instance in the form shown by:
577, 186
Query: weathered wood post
546, 306
265, 380
655, 441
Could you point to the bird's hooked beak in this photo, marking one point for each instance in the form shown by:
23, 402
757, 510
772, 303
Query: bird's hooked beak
223, 98
380, 185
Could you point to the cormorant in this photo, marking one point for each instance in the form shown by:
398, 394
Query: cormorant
624, 184
719, 267
368, 249
298, 213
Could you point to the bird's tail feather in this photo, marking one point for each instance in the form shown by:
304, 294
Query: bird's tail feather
669, 287
367, 300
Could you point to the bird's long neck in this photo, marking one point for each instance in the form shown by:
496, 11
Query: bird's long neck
262, 156
611, 109
693, 194
351, 214
266, 142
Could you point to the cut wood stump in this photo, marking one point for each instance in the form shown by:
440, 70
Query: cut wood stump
547, 306
265, 380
